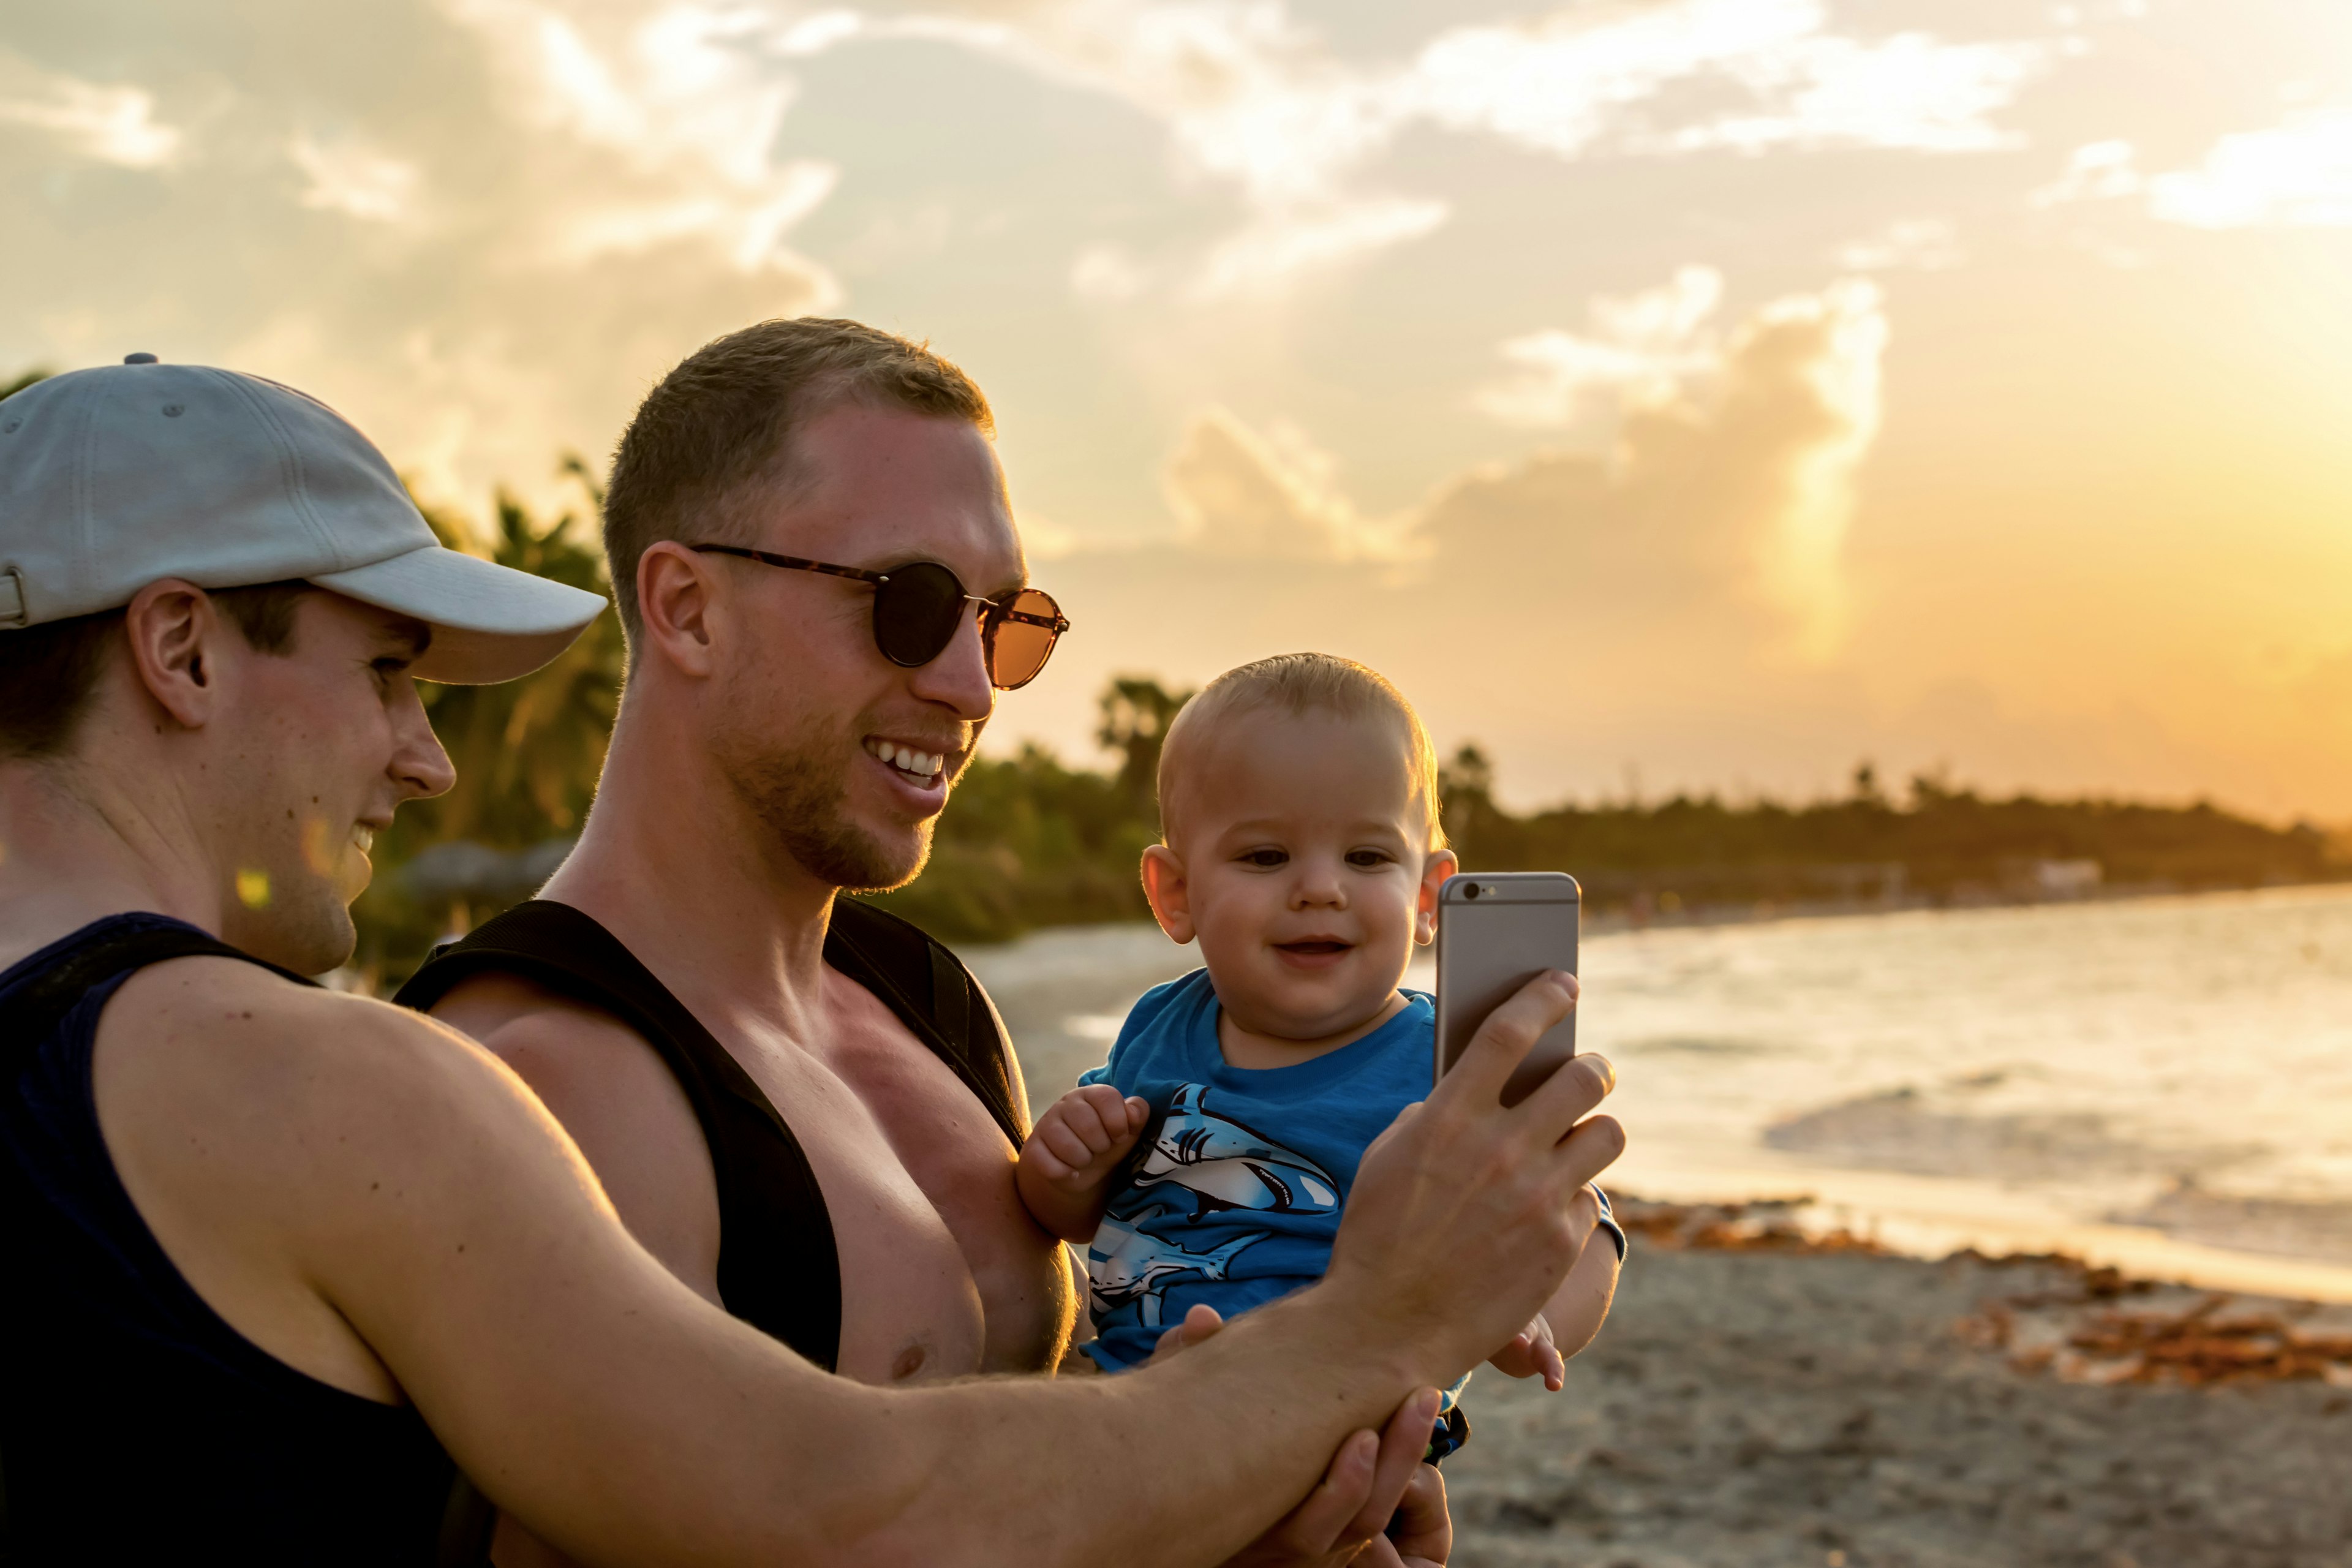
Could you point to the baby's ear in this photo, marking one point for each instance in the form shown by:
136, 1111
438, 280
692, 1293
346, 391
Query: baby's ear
1171, 896
1440, 865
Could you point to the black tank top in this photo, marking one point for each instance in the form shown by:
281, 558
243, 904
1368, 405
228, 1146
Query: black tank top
135, 1425
778, 1269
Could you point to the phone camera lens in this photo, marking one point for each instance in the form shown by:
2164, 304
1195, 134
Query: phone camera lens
1471, 891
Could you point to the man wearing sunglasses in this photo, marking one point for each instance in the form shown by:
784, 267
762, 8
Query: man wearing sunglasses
804, 1108
823, 592
280, 1256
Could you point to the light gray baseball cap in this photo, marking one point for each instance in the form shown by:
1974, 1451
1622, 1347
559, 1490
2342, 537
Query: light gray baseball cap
114, 478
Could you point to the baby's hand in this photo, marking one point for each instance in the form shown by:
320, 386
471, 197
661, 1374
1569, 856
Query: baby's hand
1071, 1153
1084, 1134
1532, 1355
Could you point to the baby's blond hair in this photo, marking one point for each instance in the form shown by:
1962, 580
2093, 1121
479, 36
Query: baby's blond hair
1300, 684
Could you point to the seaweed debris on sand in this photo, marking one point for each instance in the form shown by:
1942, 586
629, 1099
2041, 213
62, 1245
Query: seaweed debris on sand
2078, 1333
1765, 1396
1756, 1224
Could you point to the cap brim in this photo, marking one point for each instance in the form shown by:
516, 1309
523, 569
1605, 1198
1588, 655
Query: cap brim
490, 623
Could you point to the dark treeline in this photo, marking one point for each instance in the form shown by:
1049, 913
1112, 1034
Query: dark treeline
1940, 843
1028, 841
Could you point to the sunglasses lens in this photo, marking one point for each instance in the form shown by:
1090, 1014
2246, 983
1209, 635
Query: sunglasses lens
916, 613
1019, 648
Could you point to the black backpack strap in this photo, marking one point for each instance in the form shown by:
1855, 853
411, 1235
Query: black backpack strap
779, 1267
468, 1521
950, 1000
939, 1000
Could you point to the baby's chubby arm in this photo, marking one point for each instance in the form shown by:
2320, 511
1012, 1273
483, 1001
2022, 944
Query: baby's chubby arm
1066, 1165
1580, 1305
1568, 1321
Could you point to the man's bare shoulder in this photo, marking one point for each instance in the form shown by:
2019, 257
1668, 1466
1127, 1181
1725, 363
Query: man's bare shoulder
271, 1133
245, 1017
217, 1042
618, 1101
547, 1035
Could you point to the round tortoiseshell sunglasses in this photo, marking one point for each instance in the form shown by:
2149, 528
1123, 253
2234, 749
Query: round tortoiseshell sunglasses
919, 607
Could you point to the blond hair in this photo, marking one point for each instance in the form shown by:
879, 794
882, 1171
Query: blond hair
722, 423
1300, 684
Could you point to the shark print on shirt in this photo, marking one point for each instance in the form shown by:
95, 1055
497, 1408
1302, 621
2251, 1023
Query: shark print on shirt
1196, 1165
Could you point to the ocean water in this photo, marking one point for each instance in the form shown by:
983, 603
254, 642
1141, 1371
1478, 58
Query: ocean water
2161, 1083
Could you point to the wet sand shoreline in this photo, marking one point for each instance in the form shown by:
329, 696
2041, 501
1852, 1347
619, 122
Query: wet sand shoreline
2145, 1082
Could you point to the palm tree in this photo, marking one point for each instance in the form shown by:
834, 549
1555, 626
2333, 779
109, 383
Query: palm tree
528, 752
1136, 714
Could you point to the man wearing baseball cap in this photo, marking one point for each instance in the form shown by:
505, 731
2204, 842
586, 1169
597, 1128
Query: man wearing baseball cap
278, 1257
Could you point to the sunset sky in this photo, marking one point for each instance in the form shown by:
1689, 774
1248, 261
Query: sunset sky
1665, 393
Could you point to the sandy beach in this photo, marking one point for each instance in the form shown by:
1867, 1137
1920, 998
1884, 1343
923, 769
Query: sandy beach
1817, 1401
1750, 1409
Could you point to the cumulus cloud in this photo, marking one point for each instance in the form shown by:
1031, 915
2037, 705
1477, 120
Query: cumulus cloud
2098, 171
1558, 85
675, 101
1301, 238
1566, 609
1713, 531
1639, 350
2295, 175
1835, 343
1759, 439
1563, 84
482, 275
112, 122
682, 103
1253, 98
1238, 493
1911, 92
1652, 368
354, 181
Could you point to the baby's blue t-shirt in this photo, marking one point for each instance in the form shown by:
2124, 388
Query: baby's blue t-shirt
1235, 1198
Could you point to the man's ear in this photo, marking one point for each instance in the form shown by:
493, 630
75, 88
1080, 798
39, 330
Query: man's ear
675, 588
1172, 898
1440, 865
177, 634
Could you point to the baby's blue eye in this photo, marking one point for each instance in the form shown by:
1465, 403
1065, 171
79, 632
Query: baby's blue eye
1266, 858
1367, 859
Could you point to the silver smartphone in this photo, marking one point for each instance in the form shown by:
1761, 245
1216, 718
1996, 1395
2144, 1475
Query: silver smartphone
1495, 932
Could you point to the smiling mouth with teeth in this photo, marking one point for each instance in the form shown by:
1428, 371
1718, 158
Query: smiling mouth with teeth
920, 766
364, 837
1316, 946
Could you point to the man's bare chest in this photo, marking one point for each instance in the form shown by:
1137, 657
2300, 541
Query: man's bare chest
918, 1177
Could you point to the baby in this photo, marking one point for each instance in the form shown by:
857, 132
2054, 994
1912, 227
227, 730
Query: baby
1298, 805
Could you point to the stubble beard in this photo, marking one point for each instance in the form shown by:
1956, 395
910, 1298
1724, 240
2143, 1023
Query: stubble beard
798, 788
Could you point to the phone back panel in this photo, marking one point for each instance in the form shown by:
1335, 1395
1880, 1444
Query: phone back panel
1518, 924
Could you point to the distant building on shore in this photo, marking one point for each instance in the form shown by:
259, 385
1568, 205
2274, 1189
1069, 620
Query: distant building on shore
2075, 879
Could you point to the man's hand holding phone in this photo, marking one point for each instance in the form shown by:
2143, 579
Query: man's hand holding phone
1467, 1213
